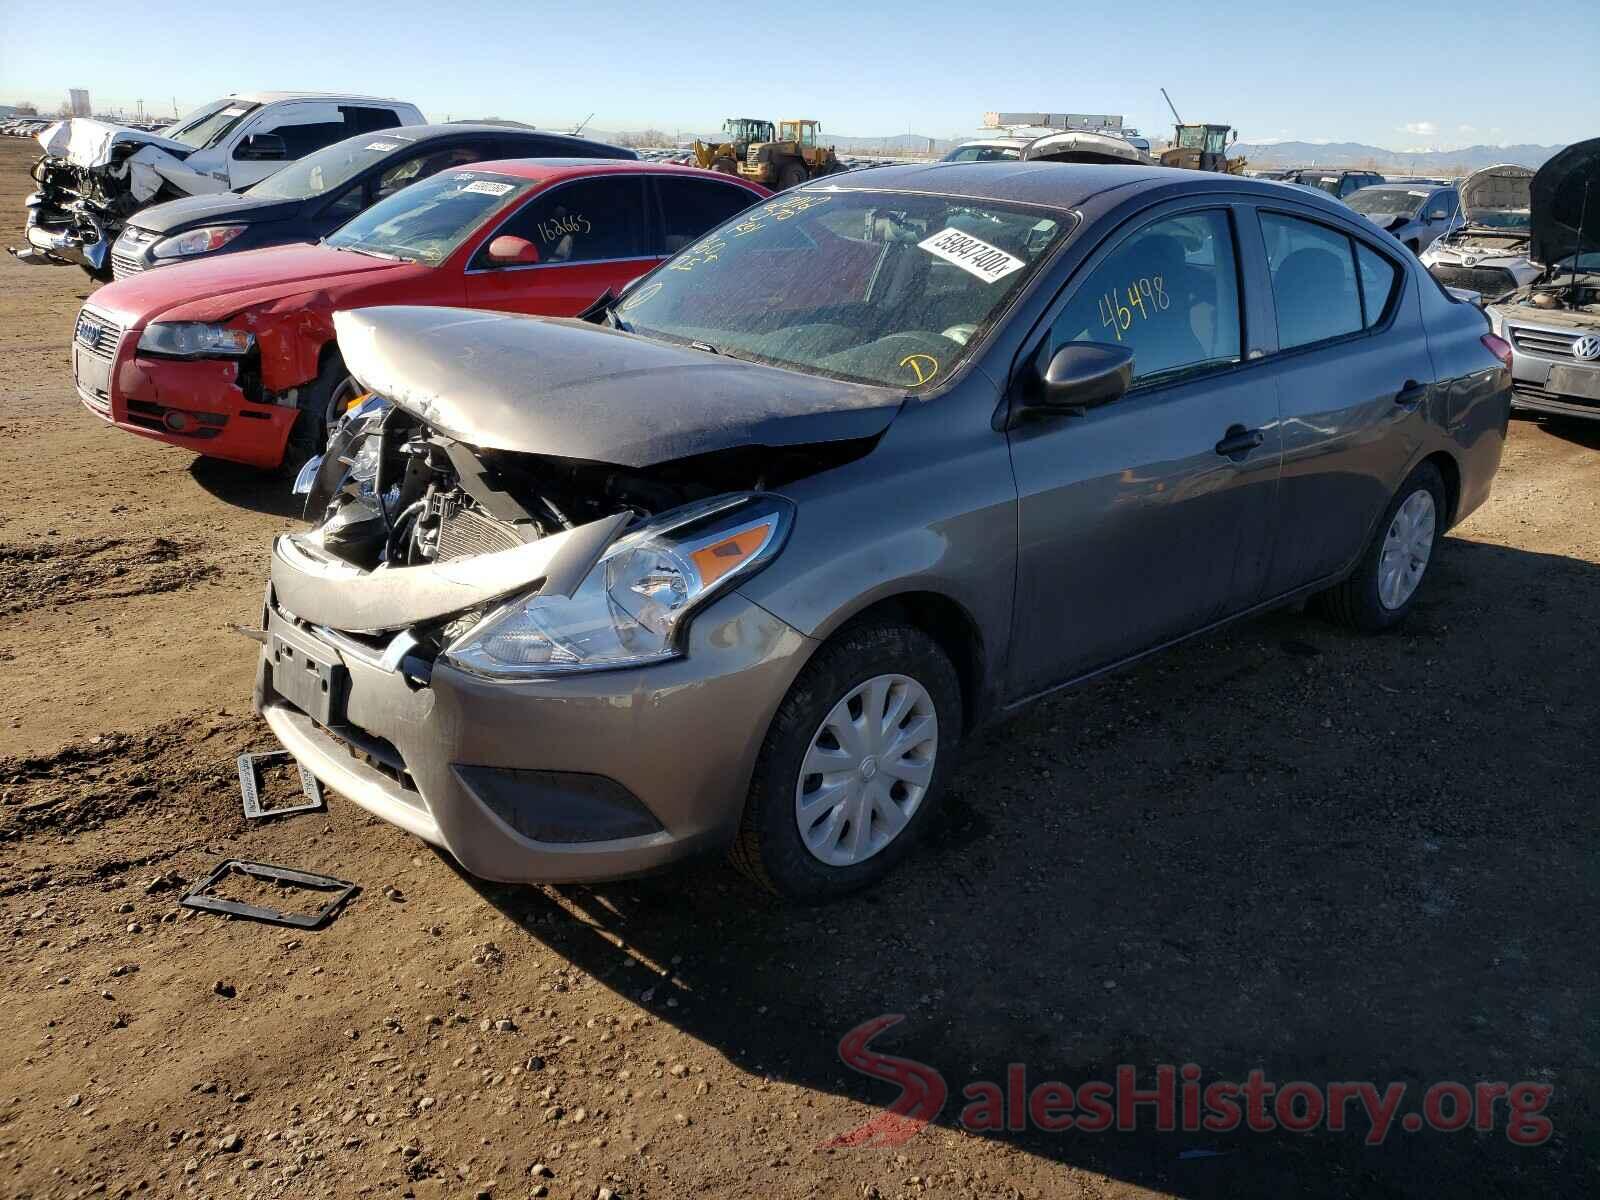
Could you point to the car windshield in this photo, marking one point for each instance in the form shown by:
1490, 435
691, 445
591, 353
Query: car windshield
1513, 220
1387, 202
983, 154
875, 287
426, 221
210, 123
327, 169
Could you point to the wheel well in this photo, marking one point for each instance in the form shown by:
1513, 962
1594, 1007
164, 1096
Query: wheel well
1451, 474
948, 624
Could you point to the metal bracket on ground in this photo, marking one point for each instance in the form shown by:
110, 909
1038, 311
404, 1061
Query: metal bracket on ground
341, 890
250, 786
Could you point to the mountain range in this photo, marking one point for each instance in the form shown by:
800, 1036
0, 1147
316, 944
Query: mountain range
1418, 162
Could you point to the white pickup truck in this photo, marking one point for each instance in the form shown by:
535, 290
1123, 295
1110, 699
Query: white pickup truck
94, 175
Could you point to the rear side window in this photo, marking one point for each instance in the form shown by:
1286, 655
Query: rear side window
1378, 279
1313, 281
1169, 291
591, 220
360, 119
691, 207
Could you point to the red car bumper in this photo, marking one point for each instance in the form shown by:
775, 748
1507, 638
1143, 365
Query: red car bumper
193, 403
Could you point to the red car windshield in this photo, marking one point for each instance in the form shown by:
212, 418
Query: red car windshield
424, 223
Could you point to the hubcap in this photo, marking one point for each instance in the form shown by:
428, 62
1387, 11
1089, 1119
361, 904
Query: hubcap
866, 770
1406, 549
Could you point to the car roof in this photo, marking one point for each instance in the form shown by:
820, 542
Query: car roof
417, 133
1064, 186
550, 169
274, 97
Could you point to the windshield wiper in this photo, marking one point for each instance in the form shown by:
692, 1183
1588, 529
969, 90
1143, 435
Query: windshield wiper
371, 253
706, 346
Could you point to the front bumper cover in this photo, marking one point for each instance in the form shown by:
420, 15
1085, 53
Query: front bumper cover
681, 738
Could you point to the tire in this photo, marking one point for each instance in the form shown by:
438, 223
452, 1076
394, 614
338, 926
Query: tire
321, 404
912, 671
725, 166
792, 175
1368, 599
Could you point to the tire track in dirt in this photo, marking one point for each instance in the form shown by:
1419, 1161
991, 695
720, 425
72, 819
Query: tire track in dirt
179, 766
71, 571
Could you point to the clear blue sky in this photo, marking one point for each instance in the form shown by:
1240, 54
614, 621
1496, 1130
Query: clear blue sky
1394, 74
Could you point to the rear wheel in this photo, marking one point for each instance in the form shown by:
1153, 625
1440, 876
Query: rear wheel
853, 764
1383, 587
792, 175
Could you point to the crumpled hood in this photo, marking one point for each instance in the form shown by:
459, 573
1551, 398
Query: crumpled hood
85, 142
233, 208
1558, 196
570, 389
1079, 145
1498, 189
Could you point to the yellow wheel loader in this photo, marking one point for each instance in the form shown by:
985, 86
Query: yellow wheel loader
795, 157
737, 133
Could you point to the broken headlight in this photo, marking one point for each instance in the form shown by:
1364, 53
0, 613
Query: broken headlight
196, 241
635, 604
191, 339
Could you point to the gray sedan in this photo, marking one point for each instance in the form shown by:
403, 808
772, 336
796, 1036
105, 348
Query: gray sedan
740, 558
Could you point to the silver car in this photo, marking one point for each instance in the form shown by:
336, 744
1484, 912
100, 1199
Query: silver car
739, 559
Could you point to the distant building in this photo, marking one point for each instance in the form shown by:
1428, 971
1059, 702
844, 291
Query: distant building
78, 102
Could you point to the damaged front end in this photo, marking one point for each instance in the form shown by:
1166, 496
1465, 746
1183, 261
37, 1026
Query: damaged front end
92, 178
473, 626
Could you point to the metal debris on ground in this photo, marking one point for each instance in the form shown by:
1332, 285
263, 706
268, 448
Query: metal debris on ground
199, 896
250, 785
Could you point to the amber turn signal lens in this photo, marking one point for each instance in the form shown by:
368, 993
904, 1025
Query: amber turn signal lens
717, 559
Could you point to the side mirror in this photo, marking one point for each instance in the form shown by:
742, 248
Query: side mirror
1082, 375
262, 147
1438, 214
507, 250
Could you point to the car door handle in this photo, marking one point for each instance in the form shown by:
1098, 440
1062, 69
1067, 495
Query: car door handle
1411, 394
1239, 441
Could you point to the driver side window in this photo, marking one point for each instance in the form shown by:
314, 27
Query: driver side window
1169, 292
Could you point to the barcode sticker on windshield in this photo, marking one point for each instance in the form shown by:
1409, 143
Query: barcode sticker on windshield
382, 145
973, 255
488, 187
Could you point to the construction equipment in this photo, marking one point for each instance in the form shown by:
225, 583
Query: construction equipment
737, 134
792, 159
1200, 147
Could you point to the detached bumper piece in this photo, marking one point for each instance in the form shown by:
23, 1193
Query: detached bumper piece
199, 896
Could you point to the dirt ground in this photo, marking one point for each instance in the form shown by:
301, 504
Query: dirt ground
1285, 847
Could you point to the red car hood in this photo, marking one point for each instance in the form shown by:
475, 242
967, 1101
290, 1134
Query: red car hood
216, 289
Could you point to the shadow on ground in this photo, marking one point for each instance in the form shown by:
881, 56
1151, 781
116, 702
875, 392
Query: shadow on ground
1330, 857
248, 487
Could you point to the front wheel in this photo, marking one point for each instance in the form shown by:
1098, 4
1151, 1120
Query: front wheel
1383, 587
791, 176
853, 764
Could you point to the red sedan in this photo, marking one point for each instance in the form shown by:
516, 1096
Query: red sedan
224, 357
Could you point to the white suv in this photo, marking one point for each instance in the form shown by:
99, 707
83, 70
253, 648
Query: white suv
94, 175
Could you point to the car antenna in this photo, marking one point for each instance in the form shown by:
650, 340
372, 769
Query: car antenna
578, 129
1583, 219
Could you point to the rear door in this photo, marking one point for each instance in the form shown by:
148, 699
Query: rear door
591, 233
687, 207
1149, 517
1353, 376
